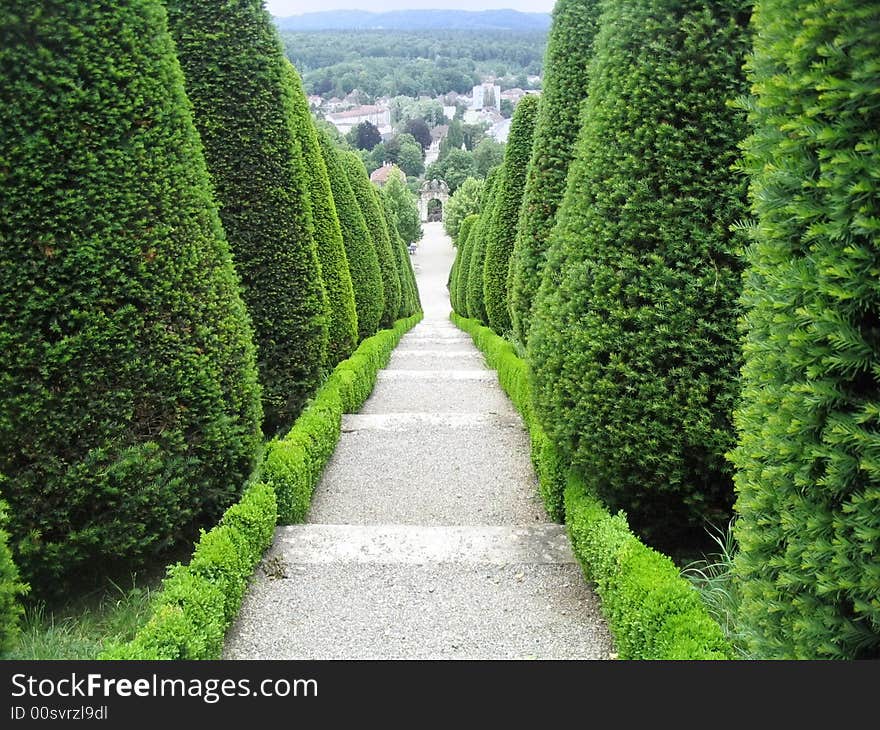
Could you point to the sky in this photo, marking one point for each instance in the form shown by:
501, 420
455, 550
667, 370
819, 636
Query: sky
282, 8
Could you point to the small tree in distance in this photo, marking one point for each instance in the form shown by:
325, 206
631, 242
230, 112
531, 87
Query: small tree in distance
364, 136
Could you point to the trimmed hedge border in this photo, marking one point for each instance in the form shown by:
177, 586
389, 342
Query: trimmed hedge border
294, 463
199, 601
652, 611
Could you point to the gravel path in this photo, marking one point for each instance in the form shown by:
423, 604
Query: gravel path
426, 537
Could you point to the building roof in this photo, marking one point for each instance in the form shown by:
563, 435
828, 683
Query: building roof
360, 111
380, 176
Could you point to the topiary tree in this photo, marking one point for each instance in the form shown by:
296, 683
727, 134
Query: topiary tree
463, 232
475, 304
466, 200
244, 111
363, 261
367, 199
808, 483
633, 347
342, 335
401, 204
569, 50
409, 297
129, 403
502, 226
466, 247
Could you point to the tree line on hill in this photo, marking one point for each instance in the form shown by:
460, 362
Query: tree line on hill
687, 253
184, 257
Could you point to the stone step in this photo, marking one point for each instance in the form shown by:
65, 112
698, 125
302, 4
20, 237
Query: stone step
433, 342
422, 544
452, 374
476, 473
352, 610
435, 394
352, 422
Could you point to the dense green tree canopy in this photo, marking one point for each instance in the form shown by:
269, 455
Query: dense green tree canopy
633, 347
454, 169
402, 207
808, 481
365, 136
243, 104
129, 404
467, 199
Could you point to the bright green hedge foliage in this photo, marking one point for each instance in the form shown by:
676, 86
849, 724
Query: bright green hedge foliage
466, 248
569, 50
244, 110
474, 284
633, 346
502, 227
342, 322
11, 588
464, 230
466, 200
409, 292
653, 612
367, 198
129, 404
294, 464
808, 479
198, 602
363, 261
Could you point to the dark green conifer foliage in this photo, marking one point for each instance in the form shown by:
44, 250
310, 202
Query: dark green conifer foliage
502, 226
235, 74
363, 261
409, 298
367, 198
475, 305
129, 403
808, 479
464, 231
461, 276
569, 50
342, 323
633, 348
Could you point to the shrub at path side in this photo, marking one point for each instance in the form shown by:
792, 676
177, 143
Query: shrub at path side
11, 587
243, 105
466, 248
569, 50
464, 230
808, 479
465, 201
363, 261
634, 348
502, 225
129, 403
366, 196
409, 297
342, 322
475, 303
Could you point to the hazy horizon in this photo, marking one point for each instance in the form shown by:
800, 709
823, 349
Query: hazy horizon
286, 8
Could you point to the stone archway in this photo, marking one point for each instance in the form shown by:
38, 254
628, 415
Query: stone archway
433, 190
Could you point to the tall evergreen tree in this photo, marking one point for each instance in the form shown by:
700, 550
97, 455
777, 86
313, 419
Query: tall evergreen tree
475, 304
466, 248
808, 479
463, 233
342, 322
569, 50
502, 225
129, 403
368, 201
243, 105
363, 261
402, 204
633, 347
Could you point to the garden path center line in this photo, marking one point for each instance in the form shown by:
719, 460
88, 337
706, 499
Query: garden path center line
426, 537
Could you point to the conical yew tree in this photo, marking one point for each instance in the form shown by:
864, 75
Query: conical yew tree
243, 105
569, 50
634, 347
129, 403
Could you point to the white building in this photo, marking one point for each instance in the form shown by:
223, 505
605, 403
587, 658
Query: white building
378, 116
484, 93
